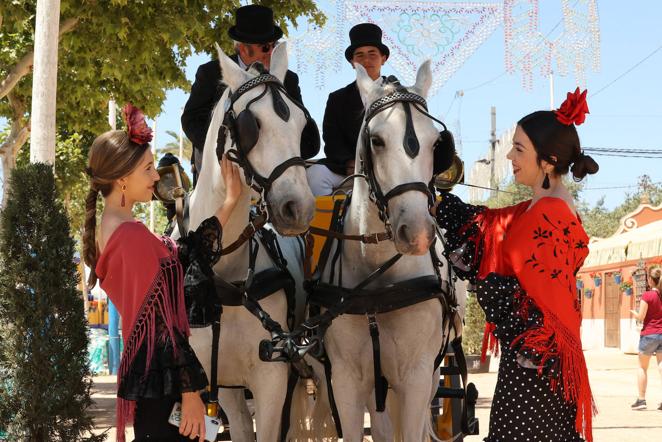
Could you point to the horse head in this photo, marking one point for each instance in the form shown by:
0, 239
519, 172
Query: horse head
262, 127
396, 152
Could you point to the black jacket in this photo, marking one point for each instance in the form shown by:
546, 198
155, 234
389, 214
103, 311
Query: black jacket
343, 117
205, 93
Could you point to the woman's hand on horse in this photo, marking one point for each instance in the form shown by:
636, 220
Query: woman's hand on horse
232, 180
433, 209
193, 416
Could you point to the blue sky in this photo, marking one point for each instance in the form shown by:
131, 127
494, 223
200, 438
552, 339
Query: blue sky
626, 114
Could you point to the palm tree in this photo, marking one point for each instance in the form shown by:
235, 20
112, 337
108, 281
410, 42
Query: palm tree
173, 146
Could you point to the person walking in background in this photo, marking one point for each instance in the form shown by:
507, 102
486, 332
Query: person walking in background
650, 340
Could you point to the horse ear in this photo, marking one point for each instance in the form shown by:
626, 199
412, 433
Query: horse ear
231, 73
423, 79
278, 65
365, 84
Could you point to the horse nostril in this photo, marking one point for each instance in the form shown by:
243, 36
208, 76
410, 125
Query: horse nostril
403, 233
290, 210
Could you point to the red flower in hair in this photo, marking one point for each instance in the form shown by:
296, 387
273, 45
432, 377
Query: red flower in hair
138, 130
574, 109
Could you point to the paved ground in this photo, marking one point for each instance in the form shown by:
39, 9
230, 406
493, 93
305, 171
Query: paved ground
613, 379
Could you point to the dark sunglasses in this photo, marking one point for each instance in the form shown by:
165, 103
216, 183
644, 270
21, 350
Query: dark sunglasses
265, 47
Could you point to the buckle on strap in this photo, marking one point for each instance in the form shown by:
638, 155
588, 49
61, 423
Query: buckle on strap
372, 238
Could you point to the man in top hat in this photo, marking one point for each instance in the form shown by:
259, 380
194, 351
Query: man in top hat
255, 34
343, 115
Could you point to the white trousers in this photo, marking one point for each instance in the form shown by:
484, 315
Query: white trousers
322, 180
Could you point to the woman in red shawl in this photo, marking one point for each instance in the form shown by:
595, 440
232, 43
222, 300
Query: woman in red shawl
143, 275
523, 260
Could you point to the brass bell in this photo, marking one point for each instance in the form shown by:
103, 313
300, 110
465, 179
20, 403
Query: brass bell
451, 176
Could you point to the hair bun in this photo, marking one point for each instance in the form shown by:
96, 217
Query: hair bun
584, 165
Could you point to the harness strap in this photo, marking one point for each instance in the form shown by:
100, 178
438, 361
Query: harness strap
366, 238
326, 250
381, 383
213, 376
407, 187
380, 271
266, 183
246, 234
332, 399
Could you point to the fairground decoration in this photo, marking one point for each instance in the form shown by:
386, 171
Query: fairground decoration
445, 32
529, 51
448, 33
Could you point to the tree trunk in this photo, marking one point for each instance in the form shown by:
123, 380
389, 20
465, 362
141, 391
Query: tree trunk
44, 81
18, 136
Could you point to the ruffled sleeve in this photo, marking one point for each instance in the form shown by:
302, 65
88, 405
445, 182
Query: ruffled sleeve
198, 253
456, 218
203, 244
474, 235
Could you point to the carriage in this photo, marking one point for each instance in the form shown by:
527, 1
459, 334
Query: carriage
322, 351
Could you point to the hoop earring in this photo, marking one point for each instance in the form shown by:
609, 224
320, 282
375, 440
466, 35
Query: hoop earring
545, 182
123, 202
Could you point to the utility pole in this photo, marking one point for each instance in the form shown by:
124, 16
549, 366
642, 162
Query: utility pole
493, 143
44, 82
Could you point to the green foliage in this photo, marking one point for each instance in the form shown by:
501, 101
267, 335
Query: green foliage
70, 179
142, 212
130, 50
44, 378
474, 326
173, 147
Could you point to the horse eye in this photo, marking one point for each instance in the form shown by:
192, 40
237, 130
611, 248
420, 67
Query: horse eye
377, 141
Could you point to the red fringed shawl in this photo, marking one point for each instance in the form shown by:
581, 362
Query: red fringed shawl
141, 274
544, 247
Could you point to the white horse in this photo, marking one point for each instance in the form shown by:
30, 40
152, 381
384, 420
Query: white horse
410, 337
291, 207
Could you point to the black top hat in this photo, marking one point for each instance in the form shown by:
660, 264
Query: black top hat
255, 24
365, 34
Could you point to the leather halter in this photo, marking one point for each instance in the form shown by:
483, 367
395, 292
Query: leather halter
256, 181
410, 144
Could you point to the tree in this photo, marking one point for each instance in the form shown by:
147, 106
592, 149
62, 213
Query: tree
600, 222
173, 147
72, 184
132, 51
474, 326
44, 378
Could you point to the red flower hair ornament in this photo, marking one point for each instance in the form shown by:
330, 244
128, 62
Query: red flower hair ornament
574, 109
138, 130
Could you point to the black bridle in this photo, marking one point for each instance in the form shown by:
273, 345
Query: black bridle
410, 144
262, 185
